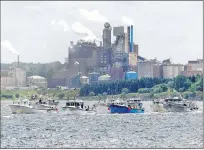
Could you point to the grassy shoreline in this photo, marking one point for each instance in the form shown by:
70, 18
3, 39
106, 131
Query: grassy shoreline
7, 94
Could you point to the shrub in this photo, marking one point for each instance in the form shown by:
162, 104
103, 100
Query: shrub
125, 90
61, 95
17, 95
144, 90
91, 94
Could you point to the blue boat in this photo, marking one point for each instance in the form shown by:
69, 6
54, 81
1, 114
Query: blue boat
130, 106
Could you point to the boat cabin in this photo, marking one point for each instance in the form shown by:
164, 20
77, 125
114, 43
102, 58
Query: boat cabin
74, 104
22, 102
174, 99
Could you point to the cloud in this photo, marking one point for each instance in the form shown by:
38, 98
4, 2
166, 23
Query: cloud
7, 45
61, 23
93, 15
36, 9
81, 29
127, 20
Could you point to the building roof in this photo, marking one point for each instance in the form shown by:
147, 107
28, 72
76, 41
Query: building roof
84, 77
131, 72
104, 77
36, 77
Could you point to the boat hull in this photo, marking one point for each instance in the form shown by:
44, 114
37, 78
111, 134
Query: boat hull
157, 108
102, 109
124, 109
43, 107
21, 109
74, 111
175, 108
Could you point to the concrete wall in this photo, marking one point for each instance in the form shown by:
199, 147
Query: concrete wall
191, 73
39, 82
7, 82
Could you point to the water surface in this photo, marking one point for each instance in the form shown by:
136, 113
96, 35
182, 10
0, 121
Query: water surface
58, 130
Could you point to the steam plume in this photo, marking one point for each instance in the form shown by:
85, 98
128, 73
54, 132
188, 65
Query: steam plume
7, 45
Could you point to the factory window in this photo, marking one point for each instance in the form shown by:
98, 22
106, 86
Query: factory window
101, 61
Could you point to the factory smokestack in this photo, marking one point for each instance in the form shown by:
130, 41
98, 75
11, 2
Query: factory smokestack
128, 32
131, 38
18, 62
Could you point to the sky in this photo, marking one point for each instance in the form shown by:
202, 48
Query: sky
41, 31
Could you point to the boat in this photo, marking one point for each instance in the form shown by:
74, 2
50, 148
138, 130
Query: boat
101, 107
76, 107
157, 106
128, 106
176, 104
46, 105
22, 106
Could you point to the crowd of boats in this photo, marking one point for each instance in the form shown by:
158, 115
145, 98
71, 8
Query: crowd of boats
132, 105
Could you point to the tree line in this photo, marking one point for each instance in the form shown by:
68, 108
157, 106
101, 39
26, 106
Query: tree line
144, 85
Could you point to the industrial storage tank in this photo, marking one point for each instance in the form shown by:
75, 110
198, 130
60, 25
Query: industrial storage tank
104, 78
93, 77
131, 75
167, 71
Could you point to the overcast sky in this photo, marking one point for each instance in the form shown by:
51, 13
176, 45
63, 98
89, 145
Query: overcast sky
41, 31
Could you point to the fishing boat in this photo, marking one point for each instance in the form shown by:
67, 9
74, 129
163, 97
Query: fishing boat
101, 107
129, 106
157, 106
22, 106
176, 104
46, 105
76, 107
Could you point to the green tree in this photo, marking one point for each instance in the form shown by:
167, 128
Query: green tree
104, 95
61, 95
100, 96
187, 84
170, 84
179, 82
91, 94
125, 90
17, 95
193, 88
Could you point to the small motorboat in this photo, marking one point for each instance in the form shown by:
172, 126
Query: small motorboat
46, 105
129, 106
22, 106
157, 106
75, 107
176, 104
101, 107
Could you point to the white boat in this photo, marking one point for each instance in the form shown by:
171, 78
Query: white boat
75, 107
22, 106
157, 106
175, 104
101, 108
46, 105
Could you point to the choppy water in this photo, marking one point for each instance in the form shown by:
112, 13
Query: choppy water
57, 130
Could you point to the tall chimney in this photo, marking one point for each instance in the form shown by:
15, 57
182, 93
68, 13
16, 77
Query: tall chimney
18, 62
131, 38
129, 45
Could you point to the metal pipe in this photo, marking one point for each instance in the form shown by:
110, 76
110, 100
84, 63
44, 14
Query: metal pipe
18, 62
131, 38
129, 45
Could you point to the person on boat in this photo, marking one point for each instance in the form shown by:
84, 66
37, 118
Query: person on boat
82, 105
40, 101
